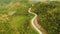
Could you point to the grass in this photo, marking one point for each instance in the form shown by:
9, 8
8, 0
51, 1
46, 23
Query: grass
18, 22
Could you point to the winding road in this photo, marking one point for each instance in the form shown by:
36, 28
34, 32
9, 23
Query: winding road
32, 21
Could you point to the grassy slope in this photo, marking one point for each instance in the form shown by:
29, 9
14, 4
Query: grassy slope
48, 16
18, 22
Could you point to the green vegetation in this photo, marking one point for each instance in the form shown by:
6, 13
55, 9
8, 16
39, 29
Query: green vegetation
15, 19
48, 16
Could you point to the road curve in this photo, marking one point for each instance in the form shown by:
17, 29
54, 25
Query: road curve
32, 21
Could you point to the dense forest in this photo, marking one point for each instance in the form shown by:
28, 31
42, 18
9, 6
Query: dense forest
48, 16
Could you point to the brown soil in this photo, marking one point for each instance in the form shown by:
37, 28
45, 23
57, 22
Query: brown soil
39, 26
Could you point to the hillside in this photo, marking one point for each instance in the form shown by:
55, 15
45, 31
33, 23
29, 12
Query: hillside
15, 19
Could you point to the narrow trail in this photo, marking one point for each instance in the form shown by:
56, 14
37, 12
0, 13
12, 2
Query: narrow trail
32, 21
